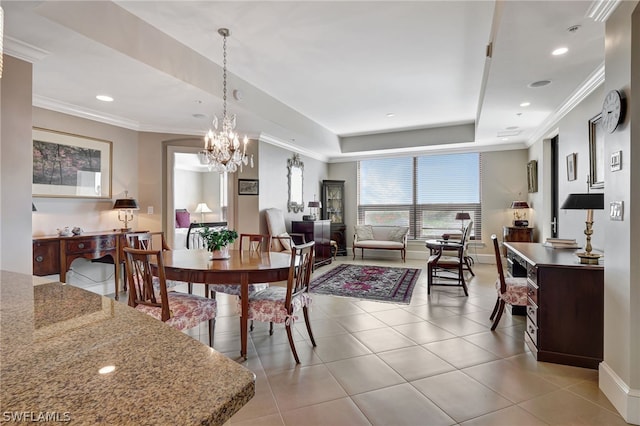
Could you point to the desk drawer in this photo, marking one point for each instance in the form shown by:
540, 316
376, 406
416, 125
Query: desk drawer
90, 244
532, 291
532, 331
532, 273
532, 312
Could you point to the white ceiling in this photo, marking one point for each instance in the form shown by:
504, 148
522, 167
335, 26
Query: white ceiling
311, 72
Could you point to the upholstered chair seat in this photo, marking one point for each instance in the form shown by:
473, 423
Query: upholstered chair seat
515, 293
186, 310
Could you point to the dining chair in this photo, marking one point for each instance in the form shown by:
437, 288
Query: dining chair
253, 244
279, 304
442, 267
179, 310
511, 290
147, 241
468, 260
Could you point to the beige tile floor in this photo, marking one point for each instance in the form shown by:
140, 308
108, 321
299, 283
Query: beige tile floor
432, 362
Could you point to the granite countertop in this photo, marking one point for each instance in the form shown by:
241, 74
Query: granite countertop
54, 339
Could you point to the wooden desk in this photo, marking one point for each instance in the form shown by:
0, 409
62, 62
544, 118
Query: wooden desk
242, 268
56, 337
565, 304
54, 254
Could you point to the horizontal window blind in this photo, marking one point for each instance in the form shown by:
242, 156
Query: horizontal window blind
423, 193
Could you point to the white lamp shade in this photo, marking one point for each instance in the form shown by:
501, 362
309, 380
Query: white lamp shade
203, 208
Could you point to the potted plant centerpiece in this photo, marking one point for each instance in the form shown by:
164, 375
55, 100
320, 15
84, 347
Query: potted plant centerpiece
218, 241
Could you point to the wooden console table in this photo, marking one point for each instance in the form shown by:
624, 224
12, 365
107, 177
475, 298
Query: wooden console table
54, 254
565, 304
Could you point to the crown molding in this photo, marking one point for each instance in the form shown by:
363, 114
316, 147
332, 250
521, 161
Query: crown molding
585, 89
21, 50
600, 10
273, 140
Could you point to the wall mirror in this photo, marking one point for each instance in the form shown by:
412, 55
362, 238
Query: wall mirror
296, 168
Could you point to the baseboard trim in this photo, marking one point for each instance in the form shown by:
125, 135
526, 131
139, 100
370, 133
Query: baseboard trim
625, 399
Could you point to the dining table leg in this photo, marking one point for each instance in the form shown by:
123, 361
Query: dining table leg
244, 300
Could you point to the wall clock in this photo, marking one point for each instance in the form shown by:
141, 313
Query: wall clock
613, 109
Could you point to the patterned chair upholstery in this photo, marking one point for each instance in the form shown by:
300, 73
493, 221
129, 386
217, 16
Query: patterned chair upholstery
279, 304
253, 243
147, 241
178, 310
512, 291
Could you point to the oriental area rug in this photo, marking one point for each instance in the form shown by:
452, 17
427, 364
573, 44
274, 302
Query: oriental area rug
378, 283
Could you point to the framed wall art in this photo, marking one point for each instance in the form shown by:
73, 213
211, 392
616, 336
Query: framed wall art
248, 187
68, 165
532, 176
571, 166
596, 152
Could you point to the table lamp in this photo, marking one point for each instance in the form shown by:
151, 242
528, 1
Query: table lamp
520, 213
313, 209
125, 207
588, 202
202, 208
462, 216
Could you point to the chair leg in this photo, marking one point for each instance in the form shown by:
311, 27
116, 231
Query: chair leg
293, 346
271, 328
497, 320
495, 309
190, 286
308, 323
251, 326
212, 328
462, 281
468, 263
429, 278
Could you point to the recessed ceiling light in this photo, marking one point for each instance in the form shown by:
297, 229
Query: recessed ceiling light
560, 51
518, 113
505, 139
199, 116
391, 115
525, 104
104, 98
512, 127
539, 83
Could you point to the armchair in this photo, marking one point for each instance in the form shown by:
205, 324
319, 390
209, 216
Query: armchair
278, 231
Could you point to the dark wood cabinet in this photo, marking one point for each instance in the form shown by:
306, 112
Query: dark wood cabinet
565, 304
519, 234
318, 231
333, 210
46, 256
54, 254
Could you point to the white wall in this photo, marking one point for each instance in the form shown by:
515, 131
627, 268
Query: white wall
16, 159
274, 183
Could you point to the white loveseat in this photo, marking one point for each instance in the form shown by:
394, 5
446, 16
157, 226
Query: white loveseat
380, 238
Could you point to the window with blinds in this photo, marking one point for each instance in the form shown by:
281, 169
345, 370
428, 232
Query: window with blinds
423, 193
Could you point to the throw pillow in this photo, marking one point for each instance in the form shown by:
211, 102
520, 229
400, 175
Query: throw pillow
182, 219
398, 234
364, 232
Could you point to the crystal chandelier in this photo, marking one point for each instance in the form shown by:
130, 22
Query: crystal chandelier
222, 149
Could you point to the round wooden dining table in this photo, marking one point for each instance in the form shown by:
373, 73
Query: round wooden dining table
241, 268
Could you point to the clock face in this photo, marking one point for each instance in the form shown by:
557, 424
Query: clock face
612, 111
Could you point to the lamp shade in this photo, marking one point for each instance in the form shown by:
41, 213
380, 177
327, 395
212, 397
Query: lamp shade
203, 208
126, 204
584, 202
519, 205
462, 216
314, 203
